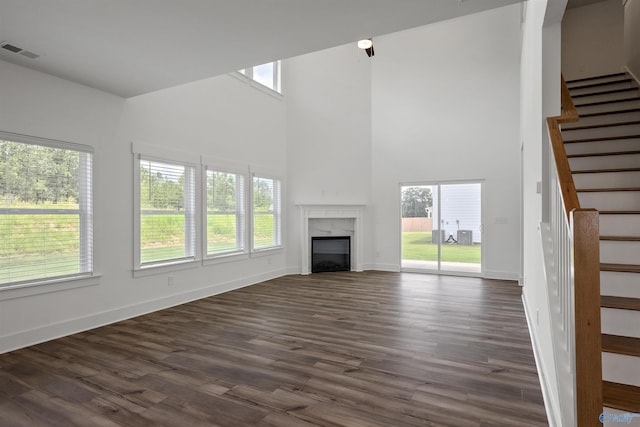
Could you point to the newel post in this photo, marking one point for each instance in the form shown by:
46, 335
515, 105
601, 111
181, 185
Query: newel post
588, 335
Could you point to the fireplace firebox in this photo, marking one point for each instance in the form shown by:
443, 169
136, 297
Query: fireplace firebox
330, 253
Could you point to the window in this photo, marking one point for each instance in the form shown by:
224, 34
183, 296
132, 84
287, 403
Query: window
225, 212
166, 212
266, 213
266, 74
46, 210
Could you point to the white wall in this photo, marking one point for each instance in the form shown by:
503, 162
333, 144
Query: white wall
446, 108
540, 90
631, 37
592, 40
328, 97
219, 117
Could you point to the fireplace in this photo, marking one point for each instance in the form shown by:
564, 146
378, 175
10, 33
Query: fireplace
330, 253
331, 221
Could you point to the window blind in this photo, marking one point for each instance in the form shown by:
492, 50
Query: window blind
167, 212
266, 213
46, 211
225, 212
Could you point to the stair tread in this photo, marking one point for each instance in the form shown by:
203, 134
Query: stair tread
624, 268
612, 82
606, 190
622, 303
621, 396
612, 112
605, 138
629, 346
604, 76
612, 101
606, 170
621, 238
619, 212
601, 125
605, 92
608, 153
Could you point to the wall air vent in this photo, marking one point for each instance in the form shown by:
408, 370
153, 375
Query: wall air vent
15, 49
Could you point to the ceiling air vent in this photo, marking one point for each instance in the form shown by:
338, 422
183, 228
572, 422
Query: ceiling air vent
11, 48
19, 50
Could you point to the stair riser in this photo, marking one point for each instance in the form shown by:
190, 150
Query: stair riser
605, 162
618, 284
607, 179
605, 79
613, 252
620, 322
609, 86
587, 109
607, 118
616, 200
620, 225
603, 146
602, 132
600, 97
621, 368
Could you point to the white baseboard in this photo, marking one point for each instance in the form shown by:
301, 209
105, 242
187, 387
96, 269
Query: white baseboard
294, 270
57, 330
383, 267
550, 404
501, 275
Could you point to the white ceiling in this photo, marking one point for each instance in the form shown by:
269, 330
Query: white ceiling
131, 47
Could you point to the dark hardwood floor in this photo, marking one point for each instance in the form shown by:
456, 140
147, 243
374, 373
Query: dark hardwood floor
329, 349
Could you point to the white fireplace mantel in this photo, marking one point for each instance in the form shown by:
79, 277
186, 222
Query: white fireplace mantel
308, 212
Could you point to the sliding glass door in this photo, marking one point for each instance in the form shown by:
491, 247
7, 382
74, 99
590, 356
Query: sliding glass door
442, 227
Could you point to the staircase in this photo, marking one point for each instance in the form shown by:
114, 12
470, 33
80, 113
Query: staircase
603, 148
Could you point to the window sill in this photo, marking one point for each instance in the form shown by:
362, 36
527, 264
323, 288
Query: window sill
45, 287
152, 270
223, 258
254, 84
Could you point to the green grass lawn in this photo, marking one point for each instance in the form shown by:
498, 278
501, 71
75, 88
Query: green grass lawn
417, 246
163, 238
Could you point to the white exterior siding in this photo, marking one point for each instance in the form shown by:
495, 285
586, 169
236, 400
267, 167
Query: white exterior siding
461, 210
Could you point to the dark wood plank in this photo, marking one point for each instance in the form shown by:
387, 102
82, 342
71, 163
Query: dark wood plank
629, 346
623, 268
621, 238
587, 79
601, 125
357, 349
621, 303
608, 153
605, 170
621, 396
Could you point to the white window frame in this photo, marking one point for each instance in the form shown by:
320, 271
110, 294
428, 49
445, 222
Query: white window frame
87, 276
192, 219
242, 225
277, 76
277, 212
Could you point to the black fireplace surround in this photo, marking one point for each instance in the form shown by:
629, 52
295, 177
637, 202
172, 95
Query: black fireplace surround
330, 253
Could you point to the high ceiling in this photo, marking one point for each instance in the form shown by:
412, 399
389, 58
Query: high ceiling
131, 47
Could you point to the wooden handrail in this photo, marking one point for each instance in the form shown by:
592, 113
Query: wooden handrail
568, 115
586, 272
